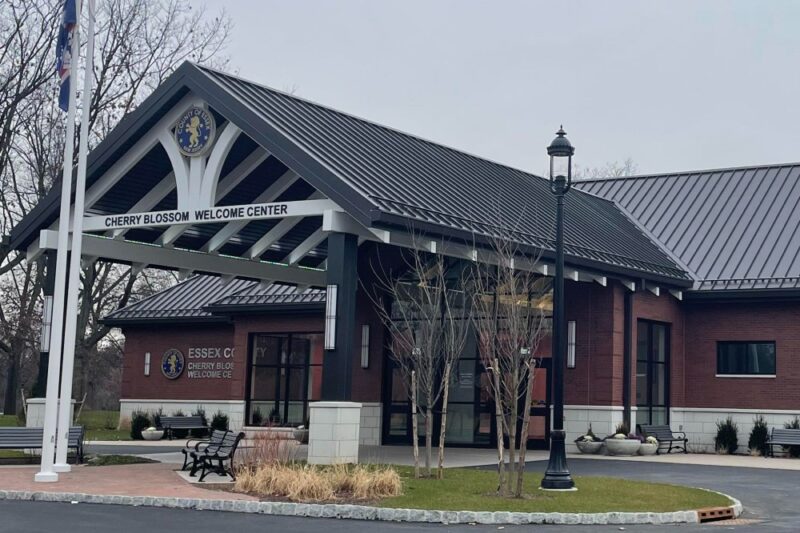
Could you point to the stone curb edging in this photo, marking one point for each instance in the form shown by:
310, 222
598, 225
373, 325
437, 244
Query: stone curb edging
365, 512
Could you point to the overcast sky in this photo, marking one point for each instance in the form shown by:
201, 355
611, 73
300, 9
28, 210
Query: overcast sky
675, 85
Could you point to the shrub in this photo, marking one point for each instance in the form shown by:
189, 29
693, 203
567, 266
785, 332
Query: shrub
268, 447
727, 439
219, 421
622, 428
139, 421
111, 420
793, 451
199, 432
258, 417
757, 443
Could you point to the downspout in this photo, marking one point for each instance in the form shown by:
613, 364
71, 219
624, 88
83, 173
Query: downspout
627, 328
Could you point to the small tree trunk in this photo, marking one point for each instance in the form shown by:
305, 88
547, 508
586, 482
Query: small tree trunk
414, 429
498, 416
10, 401
443, 424
428, 439
512, 428
523, 441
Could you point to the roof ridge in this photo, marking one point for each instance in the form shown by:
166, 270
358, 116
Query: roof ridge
370, 122
687, 173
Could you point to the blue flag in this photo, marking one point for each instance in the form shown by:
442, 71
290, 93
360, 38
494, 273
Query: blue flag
64, 52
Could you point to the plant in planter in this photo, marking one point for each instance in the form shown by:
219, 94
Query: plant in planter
622, 443
300, 433
152, 433
649, 446
588, 442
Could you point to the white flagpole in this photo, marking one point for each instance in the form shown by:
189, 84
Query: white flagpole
46, 472
73, 286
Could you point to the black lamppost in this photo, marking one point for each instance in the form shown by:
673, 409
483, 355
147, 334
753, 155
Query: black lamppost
557, 477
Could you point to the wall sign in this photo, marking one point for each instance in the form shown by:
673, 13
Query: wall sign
210, 362
172, 363
226, 213
195, 131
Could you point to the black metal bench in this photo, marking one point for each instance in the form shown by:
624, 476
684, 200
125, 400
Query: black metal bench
15, 438
215, 461
782, 437
171, 423
195, 448
665, 437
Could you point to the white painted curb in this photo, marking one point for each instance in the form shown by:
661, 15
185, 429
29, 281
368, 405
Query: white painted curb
364, 512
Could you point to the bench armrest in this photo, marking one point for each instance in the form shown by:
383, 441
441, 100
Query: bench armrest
682, 434
197, 443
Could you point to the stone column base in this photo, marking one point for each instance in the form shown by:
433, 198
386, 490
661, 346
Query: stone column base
333, 432
35, 416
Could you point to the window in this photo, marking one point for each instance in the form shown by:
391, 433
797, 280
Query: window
285, 374
756, 358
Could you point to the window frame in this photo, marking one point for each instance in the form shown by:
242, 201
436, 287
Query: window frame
748, 375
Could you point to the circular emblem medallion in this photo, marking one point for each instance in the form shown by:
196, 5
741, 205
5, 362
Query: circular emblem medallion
194, 132
172, 363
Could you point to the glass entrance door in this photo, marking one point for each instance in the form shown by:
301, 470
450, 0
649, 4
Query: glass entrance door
652, 372
285, 373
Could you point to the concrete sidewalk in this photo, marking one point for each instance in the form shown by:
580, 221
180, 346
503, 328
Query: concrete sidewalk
704, 459
154, 480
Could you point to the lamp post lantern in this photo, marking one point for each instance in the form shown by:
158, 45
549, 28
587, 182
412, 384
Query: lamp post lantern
557, 476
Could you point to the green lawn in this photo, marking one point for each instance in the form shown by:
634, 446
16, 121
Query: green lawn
102, 425
473, 490
8, 420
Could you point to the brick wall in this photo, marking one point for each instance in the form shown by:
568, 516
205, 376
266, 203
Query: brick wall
598, 313
157, 339
707, 323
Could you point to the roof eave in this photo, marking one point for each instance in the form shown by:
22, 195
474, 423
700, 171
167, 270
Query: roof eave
391, 220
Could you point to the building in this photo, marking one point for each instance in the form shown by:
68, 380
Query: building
681, 295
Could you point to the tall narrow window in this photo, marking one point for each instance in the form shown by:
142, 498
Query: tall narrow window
571, 344
330, 317
365, 346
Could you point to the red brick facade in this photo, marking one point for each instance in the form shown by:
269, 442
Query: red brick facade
707, 323
597, 379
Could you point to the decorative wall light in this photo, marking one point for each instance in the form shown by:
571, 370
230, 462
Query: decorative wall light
147, 363
571, 344
365, 346
330, 317
47, 323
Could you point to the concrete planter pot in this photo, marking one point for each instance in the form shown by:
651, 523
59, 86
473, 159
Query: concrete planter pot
589, 447
152, 434
300, 435
648, 448
622, 446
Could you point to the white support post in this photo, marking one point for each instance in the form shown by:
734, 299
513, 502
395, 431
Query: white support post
73, 289
47, 473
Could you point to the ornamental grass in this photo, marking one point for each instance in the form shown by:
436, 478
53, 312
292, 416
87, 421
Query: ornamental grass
305, 483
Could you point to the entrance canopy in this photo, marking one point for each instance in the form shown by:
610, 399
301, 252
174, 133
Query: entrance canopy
280, 174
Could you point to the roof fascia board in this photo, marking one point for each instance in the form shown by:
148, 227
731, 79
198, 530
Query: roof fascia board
131, 126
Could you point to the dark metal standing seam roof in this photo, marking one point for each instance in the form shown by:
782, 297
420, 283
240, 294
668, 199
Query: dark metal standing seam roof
401, 178
732, 228
198, 299
385, 178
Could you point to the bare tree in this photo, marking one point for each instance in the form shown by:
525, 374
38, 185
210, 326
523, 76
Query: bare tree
427, 316
138, 44
510, 320
610, 170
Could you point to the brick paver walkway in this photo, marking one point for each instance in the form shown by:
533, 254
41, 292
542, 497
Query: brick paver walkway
159, 480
